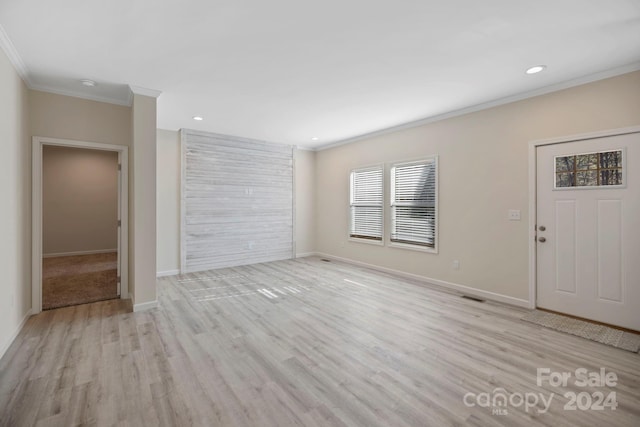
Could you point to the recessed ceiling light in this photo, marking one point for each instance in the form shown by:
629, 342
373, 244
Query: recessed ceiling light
88, 83
315, 138
198, 118
536, 69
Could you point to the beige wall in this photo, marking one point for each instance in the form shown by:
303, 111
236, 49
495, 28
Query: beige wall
483, 161
305, 183
15, 214
65, 117
79, 200
168, 201
142, 212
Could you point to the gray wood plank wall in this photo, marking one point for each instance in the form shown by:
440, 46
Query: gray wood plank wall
237, 201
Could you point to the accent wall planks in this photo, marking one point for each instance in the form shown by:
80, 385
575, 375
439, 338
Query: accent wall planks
237, 201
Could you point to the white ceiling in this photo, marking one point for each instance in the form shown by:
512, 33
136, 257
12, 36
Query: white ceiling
289, 70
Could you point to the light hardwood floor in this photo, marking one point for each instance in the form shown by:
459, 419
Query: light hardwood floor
300, 342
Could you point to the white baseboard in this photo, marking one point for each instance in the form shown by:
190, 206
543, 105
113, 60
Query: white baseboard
167, 273
143, 306
466, 290
98, 251
306, 254
13, 336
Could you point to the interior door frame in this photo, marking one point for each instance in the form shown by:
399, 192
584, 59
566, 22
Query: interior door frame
38, 142
533, 206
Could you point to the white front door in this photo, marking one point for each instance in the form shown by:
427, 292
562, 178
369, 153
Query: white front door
588, 229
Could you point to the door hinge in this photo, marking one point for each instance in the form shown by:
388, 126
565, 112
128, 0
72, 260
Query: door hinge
118, 279
119, 223
119, 166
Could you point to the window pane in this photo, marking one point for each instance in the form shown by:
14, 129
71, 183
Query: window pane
565, 180
611, 160
565, 163
366, 222
415, 183
611, 177
586, 161
366, 204
589, 169
413, 225
413, 203
367, 186
586, 178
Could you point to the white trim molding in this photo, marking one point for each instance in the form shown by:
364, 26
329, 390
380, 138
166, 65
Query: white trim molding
533, 168
11, 339
462, 289
143, 306
115, 100
36, 212
306, 254
15, 59
138, 90
167, 273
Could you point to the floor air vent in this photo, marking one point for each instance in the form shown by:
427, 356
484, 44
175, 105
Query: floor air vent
473, 298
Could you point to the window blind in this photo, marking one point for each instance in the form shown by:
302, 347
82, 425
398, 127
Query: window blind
366, 203
413, 203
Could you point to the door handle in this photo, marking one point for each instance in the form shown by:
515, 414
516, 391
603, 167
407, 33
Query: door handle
541, 239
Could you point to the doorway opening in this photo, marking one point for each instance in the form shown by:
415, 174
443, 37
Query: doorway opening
79, 223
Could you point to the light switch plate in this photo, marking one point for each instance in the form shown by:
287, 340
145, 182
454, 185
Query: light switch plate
514, 214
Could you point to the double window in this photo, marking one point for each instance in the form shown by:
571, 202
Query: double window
413, 200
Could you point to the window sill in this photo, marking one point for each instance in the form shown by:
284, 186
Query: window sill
413, 247
367, 241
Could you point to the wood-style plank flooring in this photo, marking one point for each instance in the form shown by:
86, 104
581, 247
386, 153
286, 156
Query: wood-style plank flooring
300, 343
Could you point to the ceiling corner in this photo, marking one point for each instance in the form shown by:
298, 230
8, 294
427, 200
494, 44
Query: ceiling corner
11, 52
152, 93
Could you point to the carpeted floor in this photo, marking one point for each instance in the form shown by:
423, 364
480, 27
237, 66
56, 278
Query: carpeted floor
73, 280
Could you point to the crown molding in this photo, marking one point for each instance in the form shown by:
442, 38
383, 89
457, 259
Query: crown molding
303, 148
89, 97
590, 78
130, 98
152, 93
9, 49
11, 52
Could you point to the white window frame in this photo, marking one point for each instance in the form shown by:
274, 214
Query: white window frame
382, 217
404, 245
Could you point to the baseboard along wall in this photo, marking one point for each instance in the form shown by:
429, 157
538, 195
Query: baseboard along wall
143, 306
167, 273
306, 254
7, 344
466, 290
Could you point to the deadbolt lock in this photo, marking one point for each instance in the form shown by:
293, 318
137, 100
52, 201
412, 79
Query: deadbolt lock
542, 228
541, 239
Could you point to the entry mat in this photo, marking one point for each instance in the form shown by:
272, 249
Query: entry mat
591, 331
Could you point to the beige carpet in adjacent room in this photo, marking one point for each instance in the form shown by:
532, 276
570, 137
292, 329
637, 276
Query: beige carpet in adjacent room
80, 279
